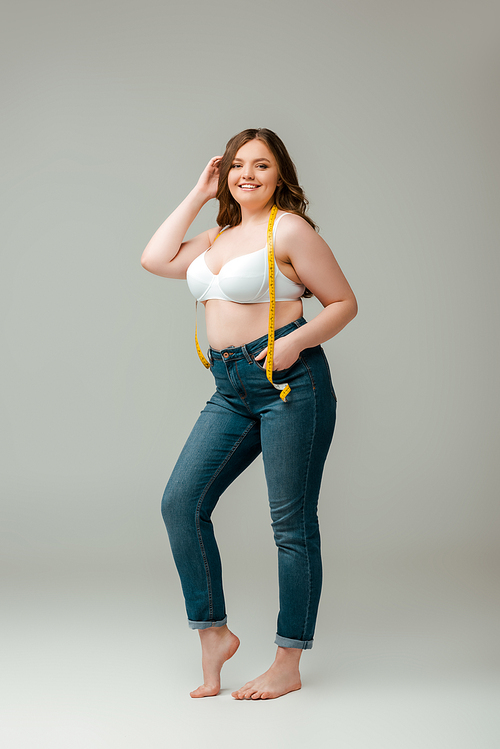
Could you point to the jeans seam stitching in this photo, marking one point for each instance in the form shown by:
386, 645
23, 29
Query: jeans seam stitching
243, 397
306, 618
332, 389
310, 374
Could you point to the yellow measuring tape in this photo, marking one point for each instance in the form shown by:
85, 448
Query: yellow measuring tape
284, 388
200, 353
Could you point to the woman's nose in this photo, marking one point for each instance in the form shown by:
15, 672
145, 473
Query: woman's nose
248, 172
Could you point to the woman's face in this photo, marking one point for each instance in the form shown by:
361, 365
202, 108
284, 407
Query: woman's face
253, 176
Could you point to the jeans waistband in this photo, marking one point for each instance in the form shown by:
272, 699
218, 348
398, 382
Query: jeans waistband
248, 350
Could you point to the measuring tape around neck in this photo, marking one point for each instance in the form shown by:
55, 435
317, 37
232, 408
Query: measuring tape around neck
283, 388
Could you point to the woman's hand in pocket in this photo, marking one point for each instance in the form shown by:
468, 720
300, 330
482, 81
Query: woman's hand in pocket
286, 354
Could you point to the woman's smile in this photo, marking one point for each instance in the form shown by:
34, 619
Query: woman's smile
248, 186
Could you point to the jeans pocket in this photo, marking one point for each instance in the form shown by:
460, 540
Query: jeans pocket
260, 363
278, 374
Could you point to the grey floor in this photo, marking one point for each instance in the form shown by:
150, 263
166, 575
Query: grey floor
406, 656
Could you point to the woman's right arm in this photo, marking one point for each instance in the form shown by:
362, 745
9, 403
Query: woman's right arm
166, 253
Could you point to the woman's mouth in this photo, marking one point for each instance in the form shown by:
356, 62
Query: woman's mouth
248, 186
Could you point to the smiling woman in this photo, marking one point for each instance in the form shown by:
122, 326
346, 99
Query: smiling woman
232, 269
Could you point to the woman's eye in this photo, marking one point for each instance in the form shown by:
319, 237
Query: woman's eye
235, 166
262, 166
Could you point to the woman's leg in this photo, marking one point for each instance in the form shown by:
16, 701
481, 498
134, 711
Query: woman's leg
295, 438
221, 445
295, 442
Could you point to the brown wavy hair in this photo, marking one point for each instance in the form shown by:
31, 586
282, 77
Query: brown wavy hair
289, 196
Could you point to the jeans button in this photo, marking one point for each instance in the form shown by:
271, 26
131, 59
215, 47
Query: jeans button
226, 354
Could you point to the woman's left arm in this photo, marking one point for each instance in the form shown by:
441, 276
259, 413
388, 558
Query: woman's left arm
315, 265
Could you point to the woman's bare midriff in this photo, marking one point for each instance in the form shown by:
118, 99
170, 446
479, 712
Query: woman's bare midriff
234, 324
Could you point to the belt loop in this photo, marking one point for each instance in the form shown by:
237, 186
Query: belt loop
210, 357
246, 354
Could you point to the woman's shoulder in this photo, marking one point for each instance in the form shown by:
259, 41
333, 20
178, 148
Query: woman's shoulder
293, 225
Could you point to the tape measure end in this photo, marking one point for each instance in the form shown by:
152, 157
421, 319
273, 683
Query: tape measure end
285, 392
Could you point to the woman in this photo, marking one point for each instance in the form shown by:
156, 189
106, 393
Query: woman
246, 415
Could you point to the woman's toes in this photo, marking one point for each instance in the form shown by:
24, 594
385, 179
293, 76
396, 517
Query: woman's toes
242, 693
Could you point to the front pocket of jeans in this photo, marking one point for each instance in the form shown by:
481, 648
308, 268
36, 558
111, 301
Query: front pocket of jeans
260, 366
279, 374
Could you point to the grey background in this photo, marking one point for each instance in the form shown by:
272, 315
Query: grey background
110, 112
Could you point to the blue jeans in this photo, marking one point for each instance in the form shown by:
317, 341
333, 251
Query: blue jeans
245, 416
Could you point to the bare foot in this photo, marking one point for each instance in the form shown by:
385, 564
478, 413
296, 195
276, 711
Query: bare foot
281, 678
218, 644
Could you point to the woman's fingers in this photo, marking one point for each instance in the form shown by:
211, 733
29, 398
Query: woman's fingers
209, 179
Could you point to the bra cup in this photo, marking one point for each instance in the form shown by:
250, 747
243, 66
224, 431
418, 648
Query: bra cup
243, 290
199, 278
244, 278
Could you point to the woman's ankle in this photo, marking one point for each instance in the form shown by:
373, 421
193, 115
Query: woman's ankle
213, 633
289, 656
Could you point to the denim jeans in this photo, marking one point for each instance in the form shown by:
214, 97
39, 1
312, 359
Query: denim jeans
244, 417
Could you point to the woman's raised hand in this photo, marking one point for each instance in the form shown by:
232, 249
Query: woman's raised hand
167, 254
209, 179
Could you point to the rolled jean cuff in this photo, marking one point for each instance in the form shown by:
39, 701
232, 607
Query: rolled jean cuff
286, 642
206, 625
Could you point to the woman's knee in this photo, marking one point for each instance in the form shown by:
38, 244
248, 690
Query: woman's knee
173, 506
294, 520
182, 505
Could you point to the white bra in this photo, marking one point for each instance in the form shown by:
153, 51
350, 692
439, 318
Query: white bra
243, 279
